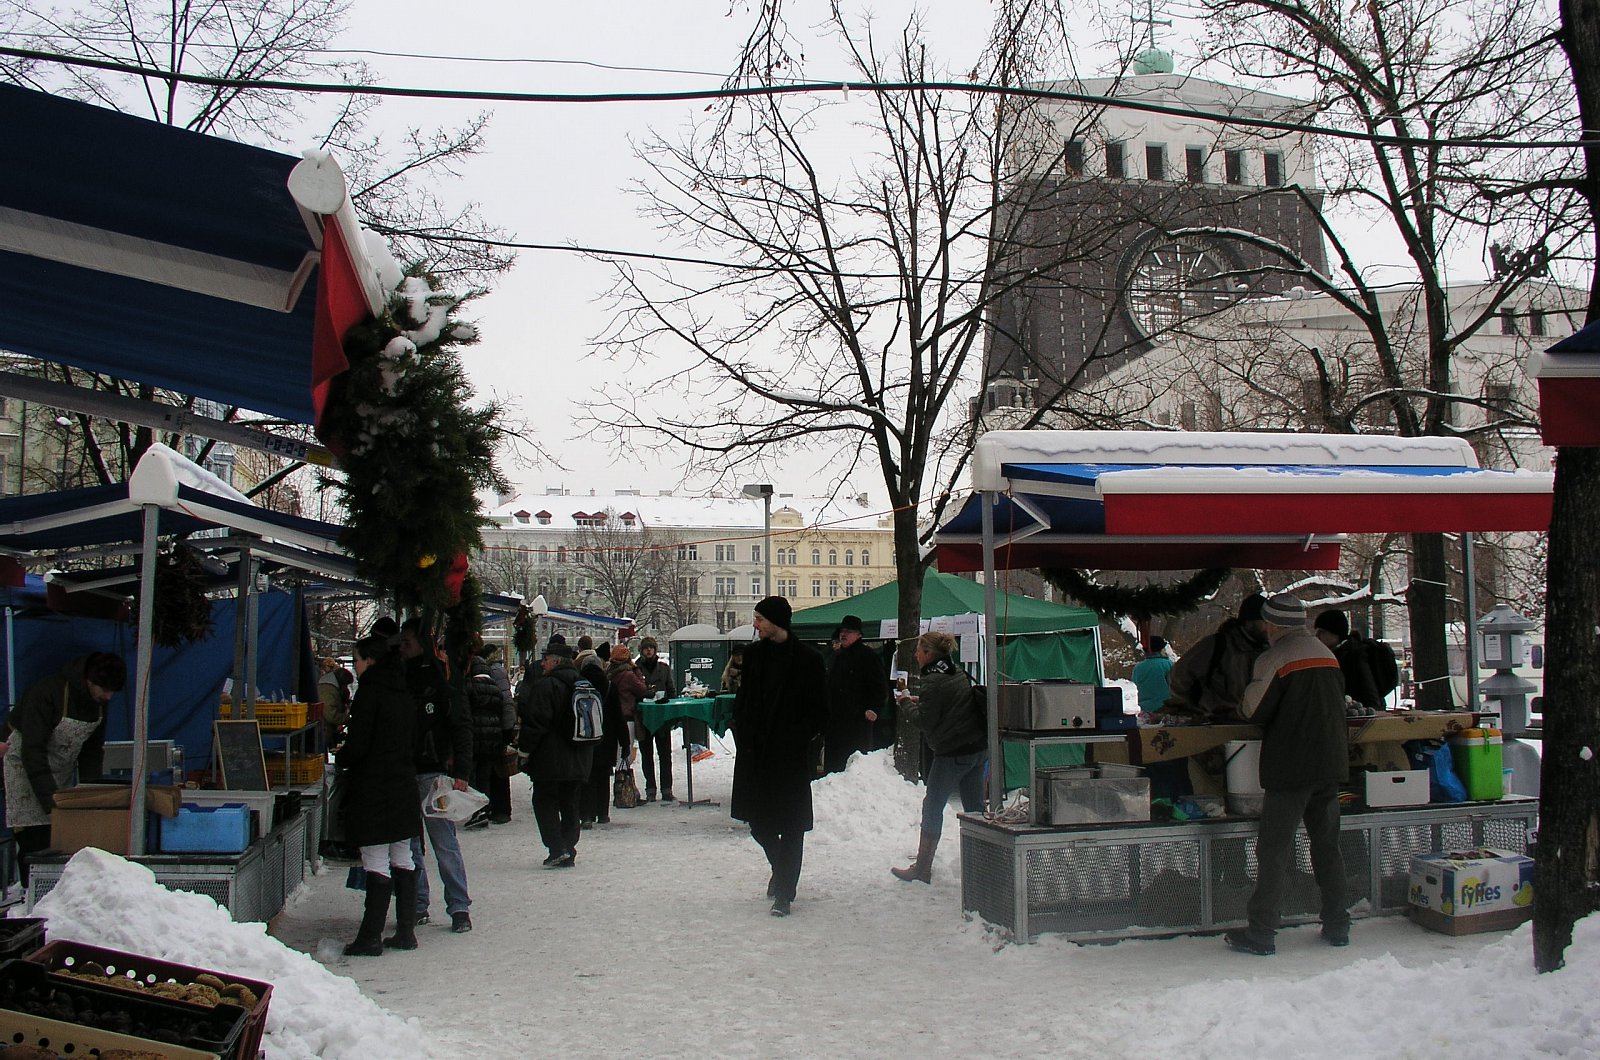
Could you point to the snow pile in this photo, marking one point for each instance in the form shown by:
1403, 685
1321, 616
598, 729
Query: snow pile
105, 900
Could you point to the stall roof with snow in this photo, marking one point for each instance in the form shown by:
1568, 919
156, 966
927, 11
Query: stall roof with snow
1161, 500
152, 253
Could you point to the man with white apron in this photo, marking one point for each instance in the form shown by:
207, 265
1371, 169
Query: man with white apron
57, 727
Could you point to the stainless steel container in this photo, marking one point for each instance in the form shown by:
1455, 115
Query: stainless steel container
1107, 793
1047, 706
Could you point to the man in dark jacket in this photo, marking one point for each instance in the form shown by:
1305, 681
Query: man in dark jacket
657, 682
780, 708
444, 747
1297, 697
493, 719
1207, 682
858, 688
1333, 629
557, 765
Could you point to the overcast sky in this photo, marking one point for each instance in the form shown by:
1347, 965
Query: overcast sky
555, 173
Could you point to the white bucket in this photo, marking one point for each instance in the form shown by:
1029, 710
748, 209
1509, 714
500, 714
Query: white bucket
1245, 793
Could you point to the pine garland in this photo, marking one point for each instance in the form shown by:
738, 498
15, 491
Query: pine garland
413, 450
182, 611
1140, 603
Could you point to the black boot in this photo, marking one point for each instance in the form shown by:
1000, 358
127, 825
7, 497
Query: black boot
405, 911
369, 939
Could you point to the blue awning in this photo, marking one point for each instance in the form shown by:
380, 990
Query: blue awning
154, 254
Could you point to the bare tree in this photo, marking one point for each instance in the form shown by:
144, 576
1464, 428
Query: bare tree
850, 313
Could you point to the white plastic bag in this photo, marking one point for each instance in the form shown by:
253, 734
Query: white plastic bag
452, 805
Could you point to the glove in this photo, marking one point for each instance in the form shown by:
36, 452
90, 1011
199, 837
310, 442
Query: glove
48, 802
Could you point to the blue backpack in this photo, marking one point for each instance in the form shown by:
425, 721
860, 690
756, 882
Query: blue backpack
588, 712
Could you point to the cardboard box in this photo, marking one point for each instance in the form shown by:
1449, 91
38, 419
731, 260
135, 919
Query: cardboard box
1168, 743
1477, 890
160, 799
1403, 787
73, 829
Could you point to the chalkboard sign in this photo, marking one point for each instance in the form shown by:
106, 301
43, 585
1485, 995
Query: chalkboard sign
241, 766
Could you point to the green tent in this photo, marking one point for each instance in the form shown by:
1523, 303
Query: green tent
1038, 640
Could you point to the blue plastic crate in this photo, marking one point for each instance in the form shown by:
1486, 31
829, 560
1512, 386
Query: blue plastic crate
197, 829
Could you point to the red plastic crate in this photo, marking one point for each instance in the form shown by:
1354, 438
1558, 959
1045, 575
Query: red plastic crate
63, 955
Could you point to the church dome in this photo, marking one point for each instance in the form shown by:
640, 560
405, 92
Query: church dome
1152, 61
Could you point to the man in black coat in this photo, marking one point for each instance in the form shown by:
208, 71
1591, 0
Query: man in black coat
858, 688
781, 707
557, 765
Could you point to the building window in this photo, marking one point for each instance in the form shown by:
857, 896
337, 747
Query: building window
725, 586
1195, 163
789, 587
724, 553
816, 586
689, 586
849, 586
1508, 321
561, 554
1116, 164
1497, 396
866, 585
561, 588
1155, 161
755, 553
688, 551
1233, 167
1072, 158
726, 620
816, 557
755, 587
833, 557
866, 558
849, 557
1536, 321
1186, 417
1274, 168
833, 588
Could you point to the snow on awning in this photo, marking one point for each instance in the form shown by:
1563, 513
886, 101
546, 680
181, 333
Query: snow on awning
1568, 375
155, 254
1165, 501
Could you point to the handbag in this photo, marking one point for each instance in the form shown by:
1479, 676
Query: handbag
625, 793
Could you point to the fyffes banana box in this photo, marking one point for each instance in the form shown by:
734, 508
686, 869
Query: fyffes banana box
1470, 891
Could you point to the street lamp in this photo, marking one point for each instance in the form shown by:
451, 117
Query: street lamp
764, 491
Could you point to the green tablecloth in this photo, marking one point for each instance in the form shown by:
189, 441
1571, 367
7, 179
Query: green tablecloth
1015, 754
716, 713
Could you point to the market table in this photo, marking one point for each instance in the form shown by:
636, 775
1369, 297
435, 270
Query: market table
716, 712
1099, 883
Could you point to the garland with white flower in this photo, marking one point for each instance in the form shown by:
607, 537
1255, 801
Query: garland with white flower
413, 449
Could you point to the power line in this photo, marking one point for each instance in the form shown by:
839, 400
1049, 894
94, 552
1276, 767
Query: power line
798, 88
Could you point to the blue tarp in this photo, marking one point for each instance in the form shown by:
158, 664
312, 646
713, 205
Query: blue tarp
186, 684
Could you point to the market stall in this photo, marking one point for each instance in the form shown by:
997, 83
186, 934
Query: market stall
1096, 866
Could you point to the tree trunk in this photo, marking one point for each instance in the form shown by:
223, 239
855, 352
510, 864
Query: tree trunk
908, 570
1566, 870
1426, 602
1569, 808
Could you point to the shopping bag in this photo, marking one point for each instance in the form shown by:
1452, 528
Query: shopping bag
625, 795
356, 878
452, 805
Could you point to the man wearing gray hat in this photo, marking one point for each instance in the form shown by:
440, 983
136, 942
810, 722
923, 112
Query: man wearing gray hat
1296, 695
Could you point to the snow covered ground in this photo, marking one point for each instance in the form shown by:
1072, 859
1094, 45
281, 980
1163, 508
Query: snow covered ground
659, 943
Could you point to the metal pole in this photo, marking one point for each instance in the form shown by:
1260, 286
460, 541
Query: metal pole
766, 542
252, 635
240, 620
991, 656
1471, 623
146, 652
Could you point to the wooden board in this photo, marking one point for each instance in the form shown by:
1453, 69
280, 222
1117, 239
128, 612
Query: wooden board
239, 759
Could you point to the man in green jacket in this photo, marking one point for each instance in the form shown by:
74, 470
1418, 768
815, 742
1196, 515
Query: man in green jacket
1296, 695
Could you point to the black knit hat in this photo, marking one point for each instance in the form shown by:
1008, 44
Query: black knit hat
1250, 607
850, 622
1335, 622
776, 609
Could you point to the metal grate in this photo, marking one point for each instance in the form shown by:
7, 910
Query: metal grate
1503, 833
988, 881
292, 871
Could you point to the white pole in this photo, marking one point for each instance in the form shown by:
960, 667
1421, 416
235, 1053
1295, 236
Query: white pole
991, 656
145, 656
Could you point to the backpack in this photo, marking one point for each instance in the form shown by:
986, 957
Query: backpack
1381, 662
980, 704
588, 712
